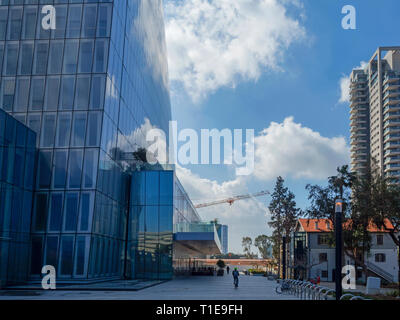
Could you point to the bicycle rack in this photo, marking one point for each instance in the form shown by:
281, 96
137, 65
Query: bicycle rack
327, 293
306, 290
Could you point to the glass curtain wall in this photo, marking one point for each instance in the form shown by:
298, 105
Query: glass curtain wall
17, 164
90, 89
150, 225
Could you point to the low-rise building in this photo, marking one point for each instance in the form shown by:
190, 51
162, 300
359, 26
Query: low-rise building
311, 254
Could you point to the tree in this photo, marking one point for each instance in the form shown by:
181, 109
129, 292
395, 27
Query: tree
221, 264
385, 202
284, 215
276, 208
356, 210
263, 243
246, 244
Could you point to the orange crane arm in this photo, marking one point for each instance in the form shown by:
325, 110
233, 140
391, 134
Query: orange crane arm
232, 199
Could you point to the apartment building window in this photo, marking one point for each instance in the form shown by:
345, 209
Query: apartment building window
379, 239
324, 274
323, 257
322, 239
380, 257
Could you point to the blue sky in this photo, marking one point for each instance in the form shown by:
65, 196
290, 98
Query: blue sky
301, 82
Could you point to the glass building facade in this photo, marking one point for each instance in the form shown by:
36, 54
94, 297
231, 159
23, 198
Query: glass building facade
90, 89
17, 164
73, 194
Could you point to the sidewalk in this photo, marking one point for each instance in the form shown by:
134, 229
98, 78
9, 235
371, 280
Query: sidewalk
191, 288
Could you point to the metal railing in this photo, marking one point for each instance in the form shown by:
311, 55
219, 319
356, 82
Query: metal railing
306, 290
380, 272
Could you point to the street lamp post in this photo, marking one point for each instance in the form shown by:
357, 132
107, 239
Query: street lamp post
338, 232
283, 257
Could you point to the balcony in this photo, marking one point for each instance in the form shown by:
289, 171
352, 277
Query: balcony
392, 152
390, 77
390, 145
357, 95
358, 102
392, 159
391, 115
392, 167
391, 86
355, 142
359, 109
391, 123
395, 107
391, 101
392, 137
391, 93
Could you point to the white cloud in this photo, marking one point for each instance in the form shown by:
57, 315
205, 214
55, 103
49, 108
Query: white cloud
344, 84
289, 149
216, 43
344, 89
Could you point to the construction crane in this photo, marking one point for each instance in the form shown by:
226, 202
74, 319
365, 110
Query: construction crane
232, 199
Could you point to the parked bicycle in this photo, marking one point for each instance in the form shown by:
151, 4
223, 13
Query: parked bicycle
284, 287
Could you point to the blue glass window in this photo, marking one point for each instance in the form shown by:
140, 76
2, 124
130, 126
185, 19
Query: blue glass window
67, 93
94, 129
85, 56
90, 168
66, 257
71, 212
7, 93
60, 168
52, 90
79, 129
40, 211
55, 56
40, 58
74, 21
86, 209
51, 250
25, 58
63, 129
36, 255
71, 56
89, 21
56, 202
82, 92
44, 170
22, 95
29, 23
75, 168
48, 130
80, 255
14, 23
10, 59
37, 93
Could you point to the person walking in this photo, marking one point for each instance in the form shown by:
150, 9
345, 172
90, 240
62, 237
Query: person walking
227, 269
235, 275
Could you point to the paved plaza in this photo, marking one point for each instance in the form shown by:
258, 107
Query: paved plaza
190, 288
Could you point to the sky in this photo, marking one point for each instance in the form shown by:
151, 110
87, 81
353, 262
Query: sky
280, 67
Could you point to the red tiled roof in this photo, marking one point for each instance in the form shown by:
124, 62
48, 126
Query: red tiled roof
326, 225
